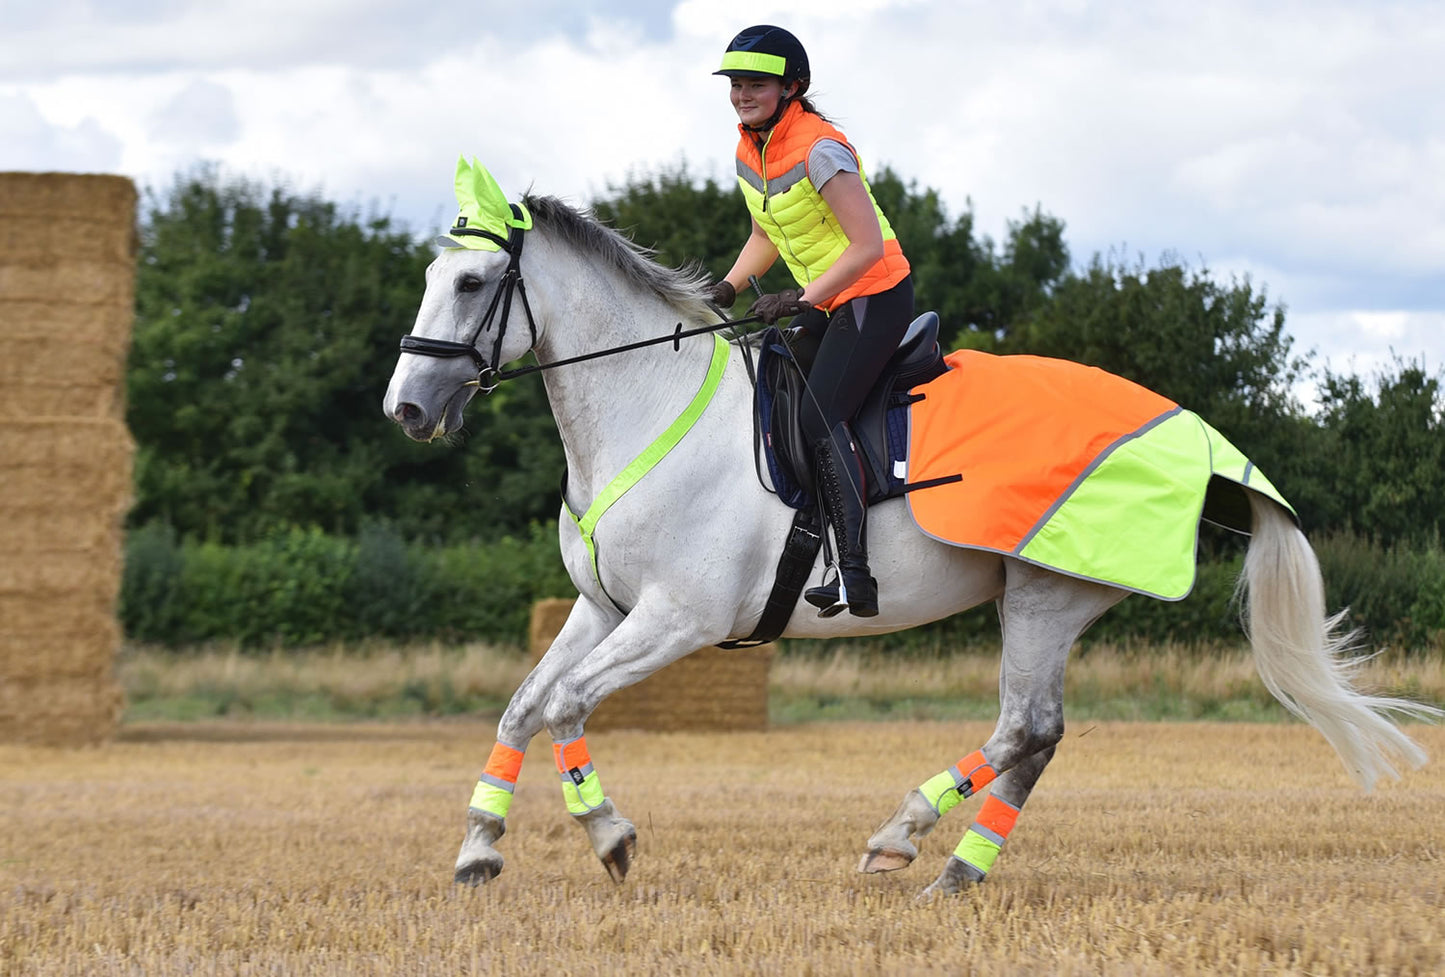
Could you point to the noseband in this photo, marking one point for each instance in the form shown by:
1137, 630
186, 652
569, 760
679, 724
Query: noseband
487, 375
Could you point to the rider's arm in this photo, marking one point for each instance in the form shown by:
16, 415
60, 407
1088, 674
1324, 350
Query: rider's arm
756, 257
850, 203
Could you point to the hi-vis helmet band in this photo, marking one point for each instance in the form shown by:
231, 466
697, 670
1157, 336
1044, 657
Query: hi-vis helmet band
484, 217
763, 64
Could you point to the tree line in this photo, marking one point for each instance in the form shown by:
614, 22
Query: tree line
267, 322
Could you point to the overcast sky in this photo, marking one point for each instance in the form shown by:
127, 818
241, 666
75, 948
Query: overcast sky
1300, 143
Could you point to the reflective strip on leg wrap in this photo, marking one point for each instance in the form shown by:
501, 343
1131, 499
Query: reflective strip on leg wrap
493, 793
963, 779
985, 837
581, 787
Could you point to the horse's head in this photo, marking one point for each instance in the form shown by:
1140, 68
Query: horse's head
468, 323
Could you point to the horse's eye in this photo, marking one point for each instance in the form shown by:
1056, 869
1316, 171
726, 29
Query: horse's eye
469, 283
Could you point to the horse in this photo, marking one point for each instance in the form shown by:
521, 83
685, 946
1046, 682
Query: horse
679, 539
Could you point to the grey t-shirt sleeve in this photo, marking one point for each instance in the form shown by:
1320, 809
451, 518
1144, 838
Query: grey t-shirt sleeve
827, 159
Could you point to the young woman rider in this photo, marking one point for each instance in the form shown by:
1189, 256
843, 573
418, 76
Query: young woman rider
811, 204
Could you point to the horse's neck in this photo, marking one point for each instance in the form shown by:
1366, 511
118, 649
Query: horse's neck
608, 410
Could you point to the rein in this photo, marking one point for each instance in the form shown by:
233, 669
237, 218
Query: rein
488, 376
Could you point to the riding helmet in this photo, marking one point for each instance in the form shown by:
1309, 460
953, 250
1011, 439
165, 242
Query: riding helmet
766, 51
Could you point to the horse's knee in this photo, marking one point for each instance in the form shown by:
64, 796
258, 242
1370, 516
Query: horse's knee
1043, 733
1027, 737
564, 711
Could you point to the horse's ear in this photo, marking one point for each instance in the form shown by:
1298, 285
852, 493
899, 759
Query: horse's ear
462, 182
491, 202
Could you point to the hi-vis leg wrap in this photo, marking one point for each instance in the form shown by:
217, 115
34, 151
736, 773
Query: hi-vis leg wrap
494, 790
581, 788
964, 779
982, 841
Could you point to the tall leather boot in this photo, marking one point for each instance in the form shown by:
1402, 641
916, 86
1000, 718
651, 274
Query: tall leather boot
842, 490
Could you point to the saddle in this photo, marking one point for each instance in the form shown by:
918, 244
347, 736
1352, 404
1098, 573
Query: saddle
880, 426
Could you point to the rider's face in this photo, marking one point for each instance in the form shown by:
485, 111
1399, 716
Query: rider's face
756, 99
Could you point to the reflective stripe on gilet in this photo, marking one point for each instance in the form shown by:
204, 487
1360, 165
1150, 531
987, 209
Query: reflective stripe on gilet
794, 214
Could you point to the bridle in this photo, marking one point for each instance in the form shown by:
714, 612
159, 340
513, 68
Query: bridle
488, 376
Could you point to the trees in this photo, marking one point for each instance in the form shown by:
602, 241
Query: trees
255, 378
1385, 444
267, 324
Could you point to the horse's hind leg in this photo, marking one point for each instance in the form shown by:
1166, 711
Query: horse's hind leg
1041, 614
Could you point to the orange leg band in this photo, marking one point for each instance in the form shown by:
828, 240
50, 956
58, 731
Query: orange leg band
997, 815
505, 763
977, 771
572, 755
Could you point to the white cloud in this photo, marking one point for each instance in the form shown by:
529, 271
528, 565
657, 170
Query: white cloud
29, 141
201, 116
1298, 142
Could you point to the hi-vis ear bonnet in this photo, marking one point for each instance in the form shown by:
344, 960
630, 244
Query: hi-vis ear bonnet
484, 220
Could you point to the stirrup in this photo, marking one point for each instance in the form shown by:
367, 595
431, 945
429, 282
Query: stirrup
829, 598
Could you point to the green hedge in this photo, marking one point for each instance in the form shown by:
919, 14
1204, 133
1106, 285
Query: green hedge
303, 587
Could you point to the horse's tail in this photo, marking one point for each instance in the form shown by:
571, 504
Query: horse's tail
1306, 660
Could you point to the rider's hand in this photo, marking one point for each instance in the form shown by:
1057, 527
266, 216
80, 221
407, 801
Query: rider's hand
780, 305
722, 295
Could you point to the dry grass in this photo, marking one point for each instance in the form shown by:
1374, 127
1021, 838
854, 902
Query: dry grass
1174, 849
381, 679
849, 680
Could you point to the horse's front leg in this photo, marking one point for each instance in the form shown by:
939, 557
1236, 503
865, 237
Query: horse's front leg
645, 642
479, 861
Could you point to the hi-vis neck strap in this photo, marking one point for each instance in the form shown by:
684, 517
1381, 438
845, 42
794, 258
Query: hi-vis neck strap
649, 458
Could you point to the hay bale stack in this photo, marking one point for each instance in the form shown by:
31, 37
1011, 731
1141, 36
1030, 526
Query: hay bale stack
712, 689
67, 279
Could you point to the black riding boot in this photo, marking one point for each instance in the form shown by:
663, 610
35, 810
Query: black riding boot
842, 489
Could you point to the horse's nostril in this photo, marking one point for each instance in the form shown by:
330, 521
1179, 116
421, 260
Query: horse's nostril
407, 413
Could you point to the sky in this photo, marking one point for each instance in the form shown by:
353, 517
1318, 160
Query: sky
1298, 144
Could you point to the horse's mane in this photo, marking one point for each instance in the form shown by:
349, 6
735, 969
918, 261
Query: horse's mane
679, 287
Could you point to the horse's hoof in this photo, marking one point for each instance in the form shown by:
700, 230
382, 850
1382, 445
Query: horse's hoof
956, 876
478, 872
478, 861
884, 860
619, 859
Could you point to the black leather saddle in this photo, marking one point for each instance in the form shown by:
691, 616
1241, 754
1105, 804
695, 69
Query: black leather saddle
881, 424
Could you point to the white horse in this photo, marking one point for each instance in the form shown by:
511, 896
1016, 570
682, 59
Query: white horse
685, 557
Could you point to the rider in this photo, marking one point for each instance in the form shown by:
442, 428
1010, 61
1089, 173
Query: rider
810, 202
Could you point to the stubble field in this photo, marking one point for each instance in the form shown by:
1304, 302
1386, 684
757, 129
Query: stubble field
1176, 849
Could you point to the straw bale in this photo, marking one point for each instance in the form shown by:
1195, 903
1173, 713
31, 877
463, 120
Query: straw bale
46, 527
38, 240
67, 287
87, 282
89, 613
59, 360
90, 196
80, 400
35, 655
45, 576
86, 457
548, 616
712, 689
33, 320
60, 711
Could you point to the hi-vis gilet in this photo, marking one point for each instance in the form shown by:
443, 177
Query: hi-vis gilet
790, 210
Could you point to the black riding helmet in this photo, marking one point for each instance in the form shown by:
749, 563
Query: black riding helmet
766, 51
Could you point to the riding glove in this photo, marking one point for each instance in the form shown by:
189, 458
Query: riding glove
780, 305
722, 295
